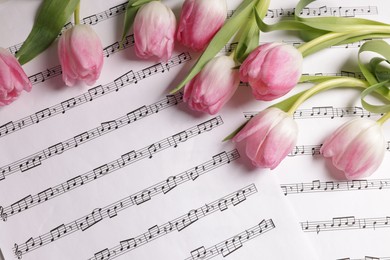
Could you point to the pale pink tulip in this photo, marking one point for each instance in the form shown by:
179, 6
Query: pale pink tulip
199, 22
357, 148
272, 70
13, 79
81, 55
270, 136
154, 31
213, 86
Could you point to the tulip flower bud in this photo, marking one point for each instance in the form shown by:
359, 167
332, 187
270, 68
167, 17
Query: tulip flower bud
357, 148
270, 136
272, 70
213, 86
12, 78
81, 55
154, 31
199, 22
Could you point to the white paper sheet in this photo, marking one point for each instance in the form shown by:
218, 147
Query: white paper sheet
85, 170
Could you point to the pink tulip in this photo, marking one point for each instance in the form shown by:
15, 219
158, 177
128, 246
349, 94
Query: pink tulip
272, 70
154, 31
357, 148
199, 22
213, 86
81, 55
13, 80
270, 136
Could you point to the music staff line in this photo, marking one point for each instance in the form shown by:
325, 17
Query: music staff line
271, 13
366, 258
345, 223
232, 244
334, 186
177, 224
314, 150
93, 93
34, 160
136, 199
91, 20
339, 11
105, 169
326, 112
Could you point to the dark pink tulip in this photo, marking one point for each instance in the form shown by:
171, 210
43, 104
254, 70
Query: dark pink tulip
13, 79
357, 148
154, 31
213, 86
81, 55
272, 70
199, 22
270, 136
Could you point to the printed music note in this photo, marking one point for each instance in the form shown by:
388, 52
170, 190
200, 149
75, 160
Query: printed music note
89, 96
57, 232
43, 114
91, 219
30, 163
74, 182
7, 128
199, 253
102, 255
179, 138
178, 224
112, 210
55, 149
170, 184
143, 197
91, 20
128, 244
232, 244
68, 104
81, 138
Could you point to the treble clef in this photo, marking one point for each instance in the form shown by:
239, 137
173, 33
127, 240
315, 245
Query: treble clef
18, 253
3, 215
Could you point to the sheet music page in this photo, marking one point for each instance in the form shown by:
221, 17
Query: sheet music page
123, 169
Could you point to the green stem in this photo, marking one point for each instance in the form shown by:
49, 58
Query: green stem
329, 84
334, 38
77, 14
383, 119
304, 48
262, 7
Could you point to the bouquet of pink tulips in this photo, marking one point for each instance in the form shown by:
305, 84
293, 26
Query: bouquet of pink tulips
271, 70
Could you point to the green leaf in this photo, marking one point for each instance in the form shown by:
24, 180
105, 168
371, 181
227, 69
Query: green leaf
378, 46
310, 34
227, 31
249, 40
286, 104
233, 134
131, 10
370, 90
382, 73
51, 17
140, 2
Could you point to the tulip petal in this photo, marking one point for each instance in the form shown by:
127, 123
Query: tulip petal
278, 144
265, 119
